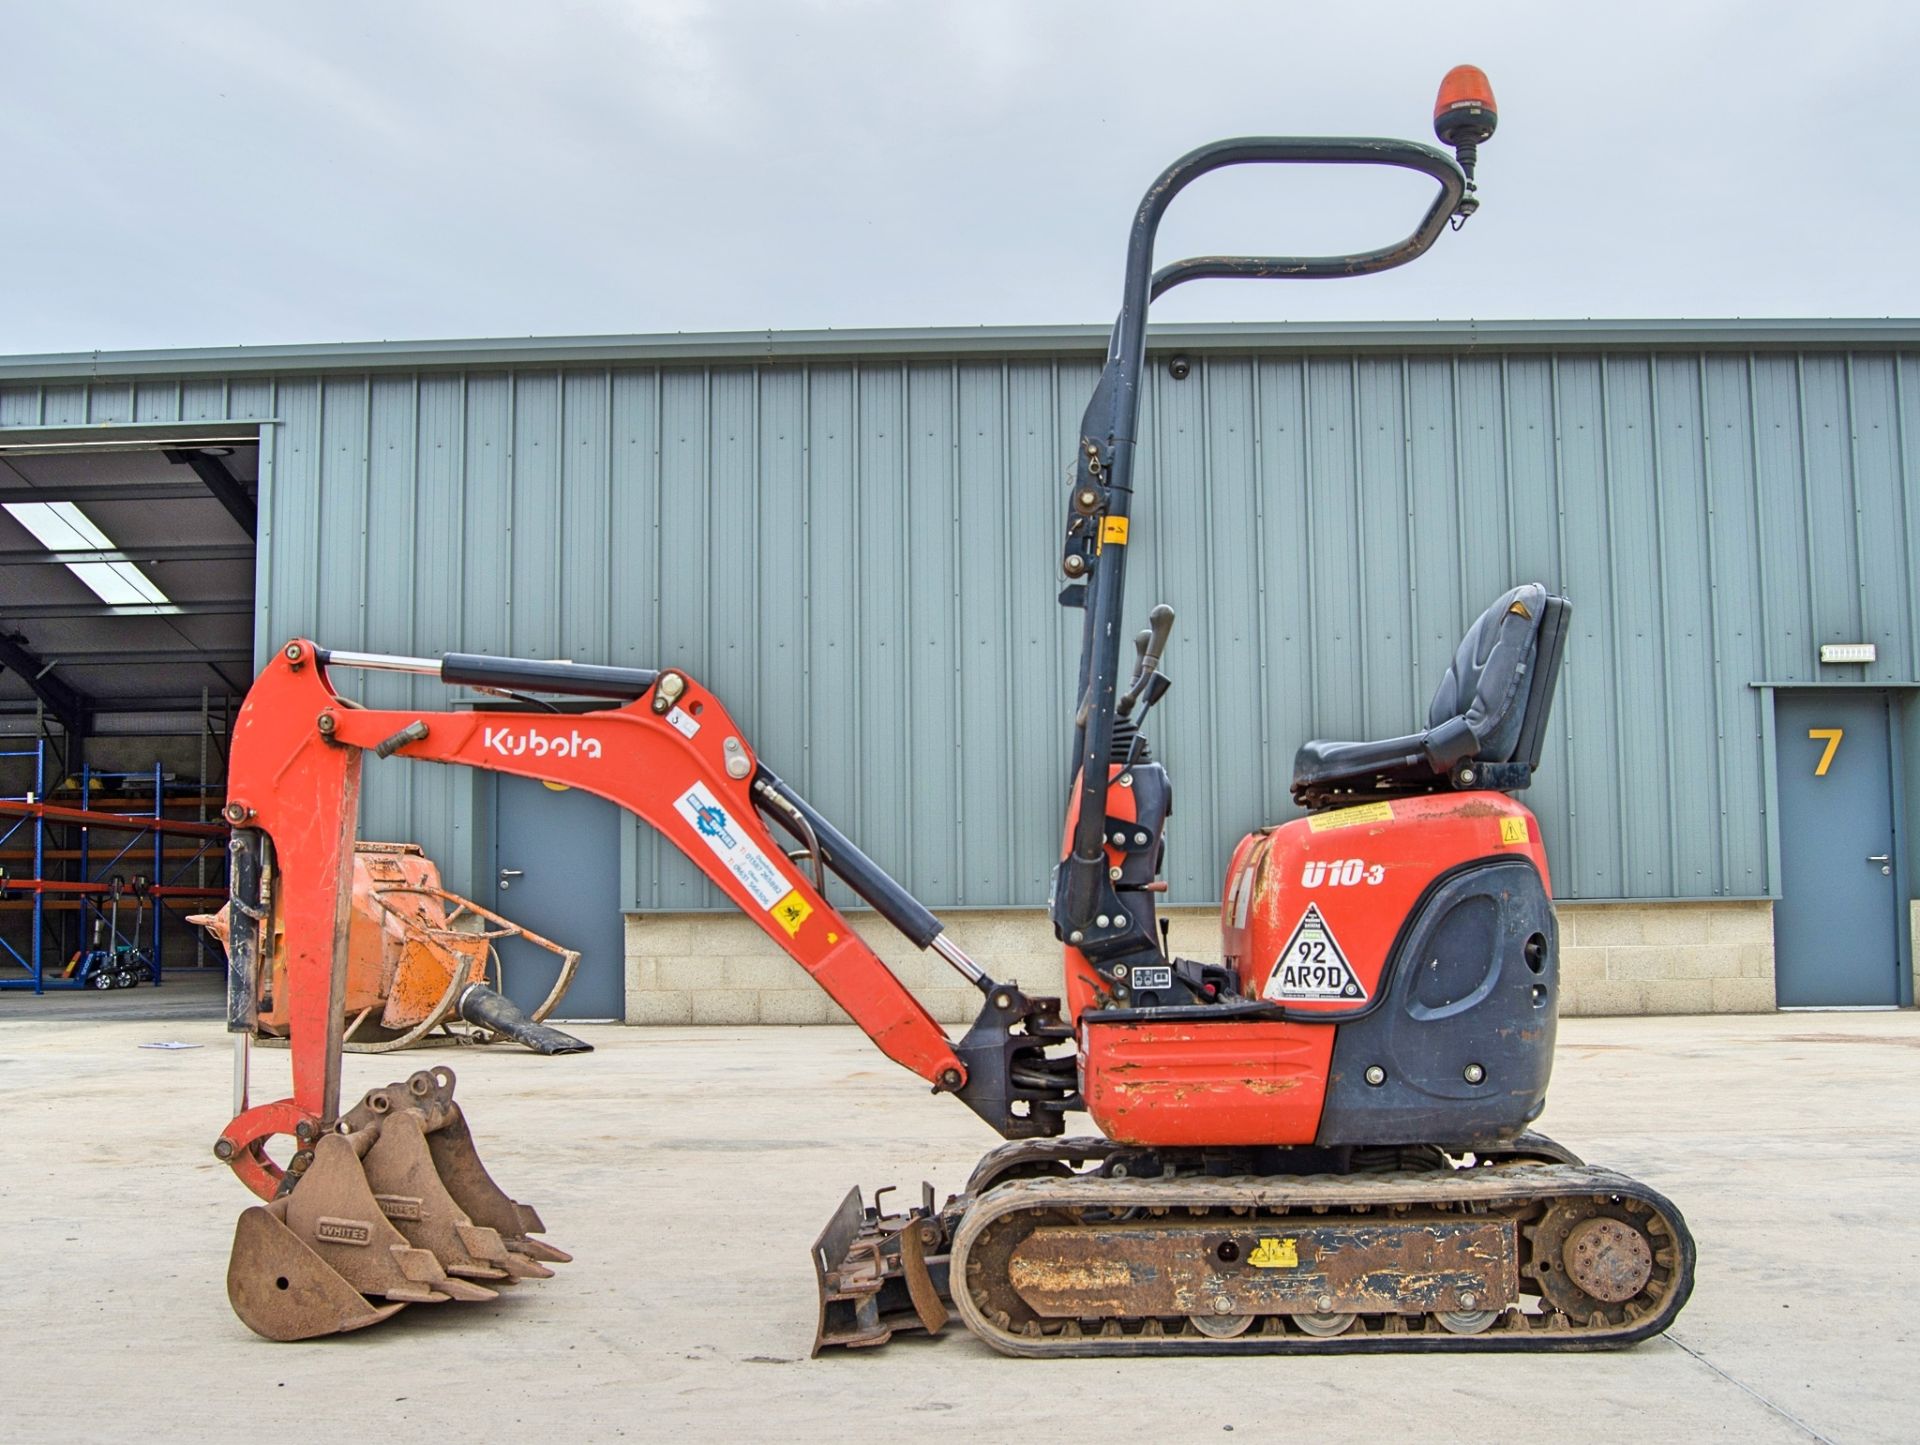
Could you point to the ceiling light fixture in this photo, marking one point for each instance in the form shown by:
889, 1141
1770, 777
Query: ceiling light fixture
63, 527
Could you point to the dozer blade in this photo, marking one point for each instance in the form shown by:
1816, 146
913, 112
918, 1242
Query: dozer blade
284, 1291
880, 1273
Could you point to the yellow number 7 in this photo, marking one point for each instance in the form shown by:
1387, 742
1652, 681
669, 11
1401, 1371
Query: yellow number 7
1832, 736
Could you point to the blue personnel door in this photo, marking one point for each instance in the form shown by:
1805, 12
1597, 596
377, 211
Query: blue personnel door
1836, 927
556, 870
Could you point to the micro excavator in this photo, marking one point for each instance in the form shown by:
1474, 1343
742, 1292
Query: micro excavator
1320, 1144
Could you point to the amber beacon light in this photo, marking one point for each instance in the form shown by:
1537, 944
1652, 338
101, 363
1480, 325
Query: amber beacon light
1463, 118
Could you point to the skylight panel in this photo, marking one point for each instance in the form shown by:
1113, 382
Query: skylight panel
63, 527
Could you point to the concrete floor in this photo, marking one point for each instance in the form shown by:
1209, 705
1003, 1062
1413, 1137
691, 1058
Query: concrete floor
689, 1169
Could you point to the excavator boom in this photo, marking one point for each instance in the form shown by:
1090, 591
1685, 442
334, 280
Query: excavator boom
666, 750
686, 769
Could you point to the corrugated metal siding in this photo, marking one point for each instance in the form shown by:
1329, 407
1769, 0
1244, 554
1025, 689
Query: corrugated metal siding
860, 557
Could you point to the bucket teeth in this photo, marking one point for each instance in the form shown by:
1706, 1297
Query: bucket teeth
458, 1164
398, 1209
400, 1172
539, 1249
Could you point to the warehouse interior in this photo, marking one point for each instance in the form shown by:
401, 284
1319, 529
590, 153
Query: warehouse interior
126, 635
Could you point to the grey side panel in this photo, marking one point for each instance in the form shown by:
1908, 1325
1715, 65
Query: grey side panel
1473, 983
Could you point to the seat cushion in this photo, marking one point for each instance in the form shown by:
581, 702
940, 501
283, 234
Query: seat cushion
1323, 760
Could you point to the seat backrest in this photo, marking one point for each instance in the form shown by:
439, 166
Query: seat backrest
1490, 685
1549, 643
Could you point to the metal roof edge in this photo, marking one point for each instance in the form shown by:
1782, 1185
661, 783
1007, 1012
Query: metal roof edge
746, 347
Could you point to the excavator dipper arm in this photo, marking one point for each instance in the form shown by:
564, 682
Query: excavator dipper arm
679, 761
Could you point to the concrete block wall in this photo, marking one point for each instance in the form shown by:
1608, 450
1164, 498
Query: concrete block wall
1666, 958
719, 968
675, 961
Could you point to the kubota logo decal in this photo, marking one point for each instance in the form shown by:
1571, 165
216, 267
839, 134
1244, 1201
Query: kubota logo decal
518, 742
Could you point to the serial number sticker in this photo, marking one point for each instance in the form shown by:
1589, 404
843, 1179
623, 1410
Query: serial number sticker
1312, 968
1351, 817
1513, 830
732, 847
1152, 978
792, 911
1275, 1254
682, 723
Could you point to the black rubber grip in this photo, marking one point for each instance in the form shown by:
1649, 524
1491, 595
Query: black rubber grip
522, 674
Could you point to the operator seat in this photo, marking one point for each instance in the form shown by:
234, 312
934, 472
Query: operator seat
1485, 728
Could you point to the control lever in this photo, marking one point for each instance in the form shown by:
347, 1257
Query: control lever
1140, 642
1148, 680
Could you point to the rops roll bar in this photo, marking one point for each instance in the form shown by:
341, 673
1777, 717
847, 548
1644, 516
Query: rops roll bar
1086, 909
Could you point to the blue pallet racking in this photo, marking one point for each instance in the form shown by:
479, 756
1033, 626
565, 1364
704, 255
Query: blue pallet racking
145, 841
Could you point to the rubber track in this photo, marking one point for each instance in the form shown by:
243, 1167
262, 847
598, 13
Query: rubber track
1533, 1185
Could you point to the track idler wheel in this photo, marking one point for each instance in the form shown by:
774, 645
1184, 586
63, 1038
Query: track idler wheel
393, 1209
1595, 1259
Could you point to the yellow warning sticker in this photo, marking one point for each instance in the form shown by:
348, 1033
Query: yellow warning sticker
1275, 1254
1351, 817
1513, 830
1114, 530
792, 911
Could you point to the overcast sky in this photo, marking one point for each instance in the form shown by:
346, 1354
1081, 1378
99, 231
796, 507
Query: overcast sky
194, 174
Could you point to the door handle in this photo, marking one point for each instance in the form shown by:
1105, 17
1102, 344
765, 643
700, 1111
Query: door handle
507, 874
1885, 860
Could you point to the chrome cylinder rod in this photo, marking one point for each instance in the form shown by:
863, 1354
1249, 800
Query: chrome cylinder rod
955, 955
242, 1052
380, 662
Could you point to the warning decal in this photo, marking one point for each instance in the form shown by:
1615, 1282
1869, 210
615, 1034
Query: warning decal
1513, 830
1276, 1254
1352, 817
793, 910
1311, 968
740, 853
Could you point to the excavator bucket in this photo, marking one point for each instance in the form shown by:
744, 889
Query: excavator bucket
386, 1213
285, 1291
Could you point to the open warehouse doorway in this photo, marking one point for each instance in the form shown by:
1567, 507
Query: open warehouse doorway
126, 645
